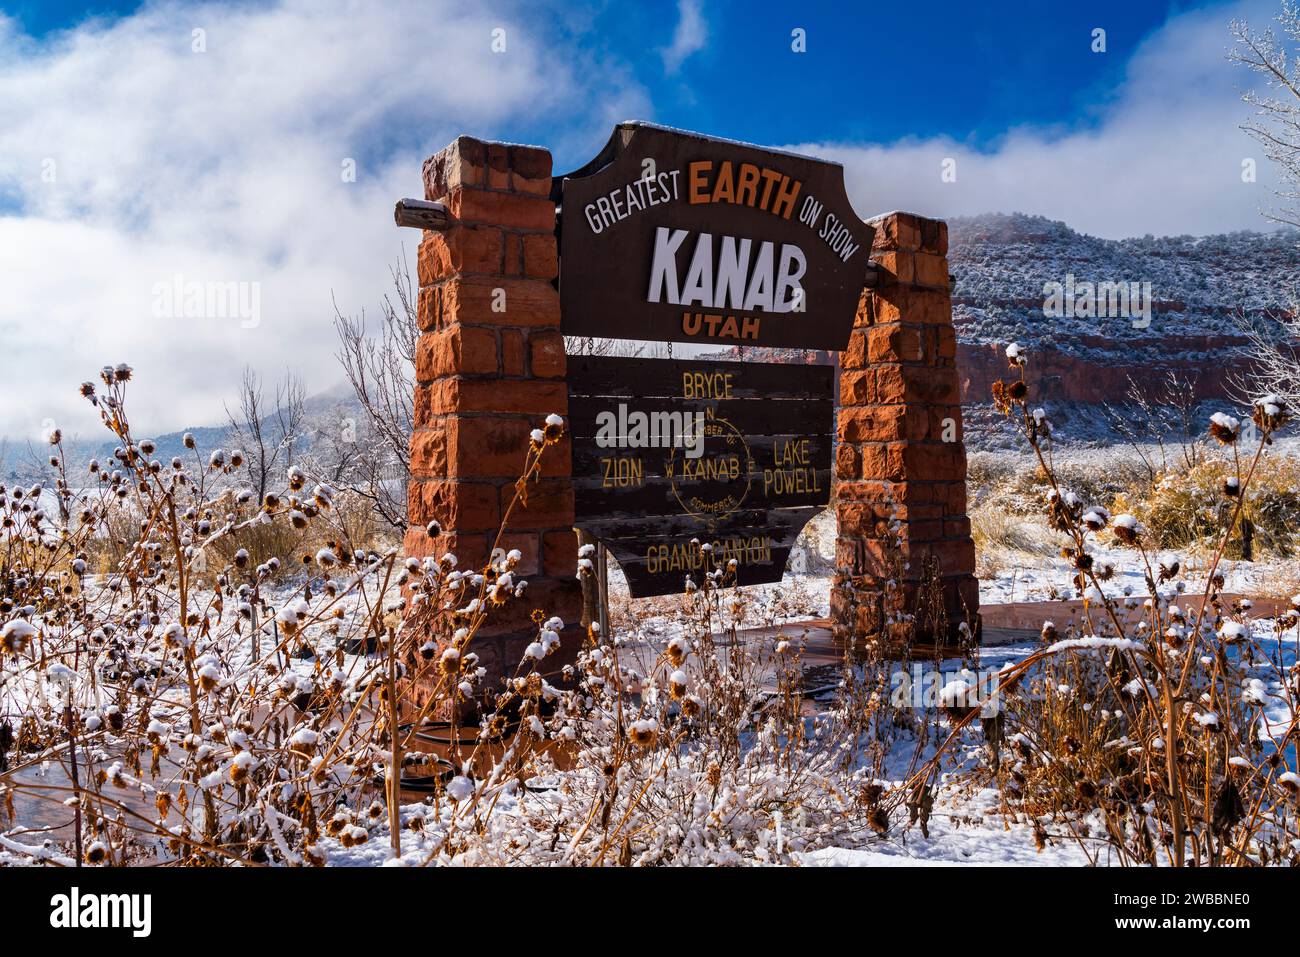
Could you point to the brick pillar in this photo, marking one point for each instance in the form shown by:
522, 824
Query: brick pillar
489, 368
900, 436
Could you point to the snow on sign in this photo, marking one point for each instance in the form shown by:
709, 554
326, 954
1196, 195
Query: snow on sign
673, 236
669, 455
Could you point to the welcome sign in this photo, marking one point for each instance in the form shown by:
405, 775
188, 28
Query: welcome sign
673, 236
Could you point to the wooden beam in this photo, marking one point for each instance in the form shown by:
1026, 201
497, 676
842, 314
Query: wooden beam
421, 214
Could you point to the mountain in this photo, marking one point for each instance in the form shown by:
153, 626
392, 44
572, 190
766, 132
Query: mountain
332, 408
1002, 264
1187, 298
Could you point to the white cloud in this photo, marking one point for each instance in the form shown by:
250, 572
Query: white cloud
689, 37
224, 166
1163, 157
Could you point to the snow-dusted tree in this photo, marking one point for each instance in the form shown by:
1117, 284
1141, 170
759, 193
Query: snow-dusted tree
1273, 351
381, 371
268, 437
1154, 415
1276, 122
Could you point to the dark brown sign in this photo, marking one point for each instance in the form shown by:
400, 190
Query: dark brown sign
733, 455
673, 236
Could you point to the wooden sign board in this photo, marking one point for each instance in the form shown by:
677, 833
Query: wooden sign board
673, 236
733, 454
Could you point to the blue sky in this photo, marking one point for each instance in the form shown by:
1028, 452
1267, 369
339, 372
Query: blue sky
871, 72
205, 140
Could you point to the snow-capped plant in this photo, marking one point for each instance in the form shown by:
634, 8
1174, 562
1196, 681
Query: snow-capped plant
1184, 751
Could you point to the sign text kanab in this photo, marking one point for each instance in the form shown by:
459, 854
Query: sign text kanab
672, 236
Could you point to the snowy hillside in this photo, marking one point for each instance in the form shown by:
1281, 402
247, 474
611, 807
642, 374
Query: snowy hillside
1002, 263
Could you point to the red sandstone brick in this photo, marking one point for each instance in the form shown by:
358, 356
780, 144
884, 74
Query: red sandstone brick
930, 270
513, 258
561, 597
501, 301
891, 383
459, 164
495, 446
968, 589
531, 397
934, 236
529, 546
846, 462
897, 265
546, 355
530, 167
946, 341
425, 347
864, 315
872, 489
512, 352
498, 166
460, 249
429, 453
853, 518
457, 350
894, 383
428, 309
930, 306
855, 356
422, 408
917, 428
511, 210
560, 553
956, 527
540, 257
921, 513
932, 386
924, 531
857, 388
459, 506
471, 550
872, 423
940, 460
892, 304
893, 343
954, 556
884, 460
873, 557
485, 446
953, 494
547, 504
907, 232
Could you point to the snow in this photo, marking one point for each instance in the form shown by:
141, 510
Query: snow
1094, 643
969, 831
460, 788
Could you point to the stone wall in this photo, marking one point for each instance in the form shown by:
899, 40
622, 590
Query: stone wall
900, 454
489, 368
